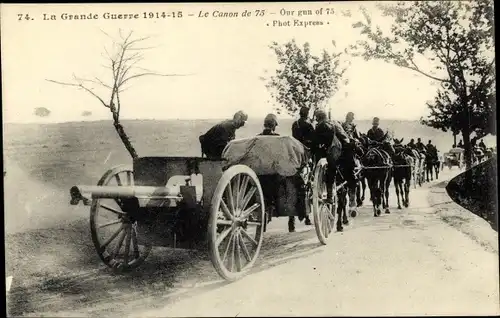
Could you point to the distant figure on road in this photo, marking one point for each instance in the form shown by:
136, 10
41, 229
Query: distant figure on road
376, 133
302, 129
473, 142
482, 145
216, 138
460, 144
270, 123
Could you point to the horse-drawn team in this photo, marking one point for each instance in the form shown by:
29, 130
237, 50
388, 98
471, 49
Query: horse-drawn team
354, 159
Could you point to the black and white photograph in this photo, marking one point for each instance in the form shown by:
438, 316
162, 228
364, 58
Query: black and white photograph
250, 159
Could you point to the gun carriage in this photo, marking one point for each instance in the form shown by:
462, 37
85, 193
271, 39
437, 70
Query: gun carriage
221, 206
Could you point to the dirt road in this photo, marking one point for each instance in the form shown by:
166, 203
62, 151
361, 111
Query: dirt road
407, 263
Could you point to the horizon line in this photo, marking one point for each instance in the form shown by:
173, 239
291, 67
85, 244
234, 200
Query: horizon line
175, 119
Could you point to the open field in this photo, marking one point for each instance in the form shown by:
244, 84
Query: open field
56, 271
45, 160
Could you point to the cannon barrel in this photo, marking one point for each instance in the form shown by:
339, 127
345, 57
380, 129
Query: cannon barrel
85, 193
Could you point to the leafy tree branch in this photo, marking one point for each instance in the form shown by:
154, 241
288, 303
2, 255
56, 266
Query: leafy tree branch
303, 79
456, 38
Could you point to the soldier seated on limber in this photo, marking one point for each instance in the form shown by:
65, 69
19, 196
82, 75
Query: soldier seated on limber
268, 182
270, 124
302, 129
216, 138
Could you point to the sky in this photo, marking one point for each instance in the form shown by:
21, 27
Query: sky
224, 58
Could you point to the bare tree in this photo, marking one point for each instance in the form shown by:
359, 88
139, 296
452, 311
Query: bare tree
126, 53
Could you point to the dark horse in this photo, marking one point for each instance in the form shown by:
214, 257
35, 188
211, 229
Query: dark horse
345, 168
377, 166
402, 171
361, 185
432, 164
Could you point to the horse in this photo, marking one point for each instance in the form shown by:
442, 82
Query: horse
361, 186
345, 168
431, 165
402, 170
377, 166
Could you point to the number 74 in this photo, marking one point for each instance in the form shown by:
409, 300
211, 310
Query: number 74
20, 16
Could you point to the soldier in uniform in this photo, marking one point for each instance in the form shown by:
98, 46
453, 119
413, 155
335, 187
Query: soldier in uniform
267, 182
302, 129
376, 133
411, 144
349, 126
430, 147
420, 145
482, 145
330, 139
216, 138
270, 124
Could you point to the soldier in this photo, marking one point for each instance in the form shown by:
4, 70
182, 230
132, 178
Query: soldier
376, 133
350, 127
411, 144
216, 138
302, 129
270, 124
330, 139
482, 145
420, 145
431, 149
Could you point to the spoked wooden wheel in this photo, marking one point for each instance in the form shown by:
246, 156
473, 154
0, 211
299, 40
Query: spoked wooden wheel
114, 232
323, 212
235, 228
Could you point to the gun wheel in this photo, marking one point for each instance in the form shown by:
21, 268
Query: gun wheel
236, 225
114, 233
323, 212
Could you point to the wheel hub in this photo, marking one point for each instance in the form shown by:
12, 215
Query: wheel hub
238, 222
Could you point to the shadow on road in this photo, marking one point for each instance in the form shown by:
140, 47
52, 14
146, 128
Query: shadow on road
58, 269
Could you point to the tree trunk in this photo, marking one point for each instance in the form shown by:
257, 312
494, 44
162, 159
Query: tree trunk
126, 141
467, 148
455, 139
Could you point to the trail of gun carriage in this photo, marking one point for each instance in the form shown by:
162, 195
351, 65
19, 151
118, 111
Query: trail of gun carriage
307, 210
